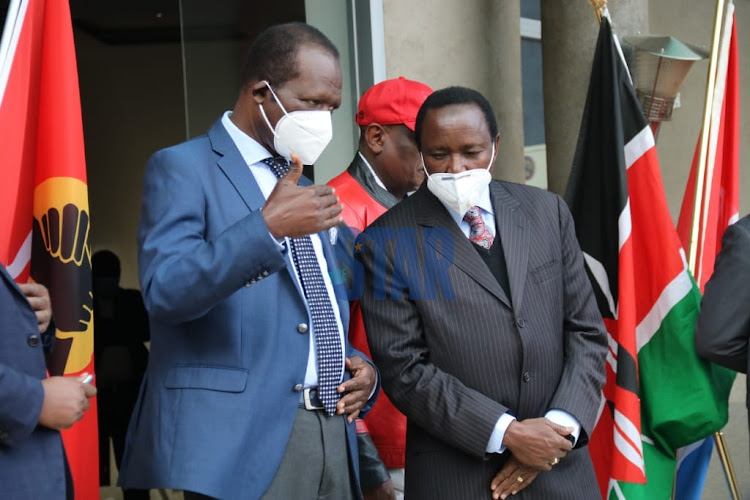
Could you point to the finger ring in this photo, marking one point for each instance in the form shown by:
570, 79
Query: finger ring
555, 461
519, 479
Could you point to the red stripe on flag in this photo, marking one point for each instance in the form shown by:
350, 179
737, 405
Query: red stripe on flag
655, 238
18, 123
44, 193
723, 197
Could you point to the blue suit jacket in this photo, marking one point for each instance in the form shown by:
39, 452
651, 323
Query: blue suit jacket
31, 457
220, 393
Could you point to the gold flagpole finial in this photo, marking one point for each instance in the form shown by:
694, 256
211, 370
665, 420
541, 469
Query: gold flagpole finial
598, 6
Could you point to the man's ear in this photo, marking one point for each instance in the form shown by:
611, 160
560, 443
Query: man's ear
375, 137
259, 91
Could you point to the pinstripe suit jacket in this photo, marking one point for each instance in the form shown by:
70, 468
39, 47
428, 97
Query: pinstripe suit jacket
455, 352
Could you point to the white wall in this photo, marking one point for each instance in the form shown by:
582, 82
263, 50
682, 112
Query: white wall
677, 139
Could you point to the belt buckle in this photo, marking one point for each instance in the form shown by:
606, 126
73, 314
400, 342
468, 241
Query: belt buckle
309, 404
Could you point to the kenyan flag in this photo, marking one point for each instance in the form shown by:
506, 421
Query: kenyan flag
659, 395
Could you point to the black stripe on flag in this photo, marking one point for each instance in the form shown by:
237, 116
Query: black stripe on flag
597, 190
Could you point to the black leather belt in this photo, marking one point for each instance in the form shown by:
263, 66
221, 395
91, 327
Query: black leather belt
310, 400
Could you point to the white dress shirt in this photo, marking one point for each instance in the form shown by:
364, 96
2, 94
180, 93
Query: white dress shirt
252, 152
560, 417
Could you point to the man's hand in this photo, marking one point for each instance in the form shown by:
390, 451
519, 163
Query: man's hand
65, 400
507, 482
356, 391
537, 442
296, 211
383, 492
38, 297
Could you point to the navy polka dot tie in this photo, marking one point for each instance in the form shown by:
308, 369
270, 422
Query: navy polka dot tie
327, 339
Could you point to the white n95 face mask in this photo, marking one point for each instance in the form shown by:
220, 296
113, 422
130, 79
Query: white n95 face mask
460, 191
305, 133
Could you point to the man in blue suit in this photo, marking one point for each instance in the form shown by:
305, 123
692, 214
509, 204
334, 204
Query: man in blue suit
251, 388
33, 407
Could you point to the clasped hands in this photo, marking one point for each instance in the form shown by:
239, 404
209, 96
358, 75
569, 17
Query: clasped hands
536, 445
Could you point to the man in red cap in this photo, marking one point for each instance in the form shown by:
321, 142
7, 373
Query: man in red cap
385, 169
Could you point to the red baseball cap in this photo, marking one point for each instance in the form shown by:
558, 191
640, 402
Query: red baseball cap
392, 102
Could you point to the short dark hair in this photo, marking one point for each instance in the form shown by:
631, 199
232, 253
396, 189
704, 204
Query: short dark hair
273, 54
455, 95
105, 263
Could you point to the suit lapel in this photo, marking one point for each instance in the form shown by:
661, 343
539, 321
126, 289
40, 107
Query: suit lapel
513, 228
234, 167
430, 212
239, 175
11, 282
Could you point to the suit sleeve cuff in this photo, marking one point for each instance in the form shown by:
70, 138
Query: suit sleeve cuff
495, 445
565, 419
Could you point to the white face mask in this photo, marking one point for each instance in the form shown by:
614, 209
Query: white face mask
305, 133
460, 191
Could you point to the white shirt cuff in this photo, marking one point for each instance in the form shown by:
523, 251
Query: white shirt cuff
565, 419
495, 445
280, 244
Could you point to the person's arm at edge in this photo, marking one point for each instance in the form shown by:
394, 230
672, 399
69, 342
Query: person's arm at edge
722, 331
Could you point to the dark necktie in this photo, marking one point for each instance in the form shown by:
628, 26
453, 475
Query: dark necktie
478, 231
327, 339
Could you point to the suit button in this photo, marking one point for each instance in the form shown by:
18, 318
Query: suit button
3, 435
302, 328
526, 376
520, 322
32, 340
297, 387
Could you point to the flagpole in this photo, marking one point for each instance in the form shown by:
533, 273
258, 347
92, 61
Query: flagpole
598, 6
700, 181
699, 215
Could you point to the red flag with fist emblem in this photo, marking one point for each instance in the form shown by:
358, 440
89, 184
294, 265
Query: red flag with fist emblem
44, 196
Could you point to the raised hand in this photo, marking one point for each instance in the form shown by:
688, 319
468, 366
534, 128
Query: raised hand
294, 211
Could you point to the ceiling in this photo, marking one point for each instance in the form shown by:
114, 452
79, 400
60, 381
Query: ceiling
158, 21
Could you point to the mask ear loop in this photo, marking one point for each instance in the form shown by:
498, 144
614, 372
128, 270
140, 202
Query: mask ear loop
421, 158
263, 111
492, 158
278, 101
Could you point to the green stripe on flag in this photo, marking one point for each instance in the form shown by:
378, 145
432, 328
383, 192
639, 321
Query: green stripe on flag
659, 479
683, 397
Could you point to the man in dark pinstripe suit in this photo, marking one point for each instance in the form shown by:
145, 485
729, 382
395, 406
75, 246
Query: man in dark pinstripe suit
482, 321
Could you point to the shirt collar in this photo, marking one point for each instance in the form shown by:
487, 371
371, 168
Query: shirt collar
250, 149
372, 170
484, 202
